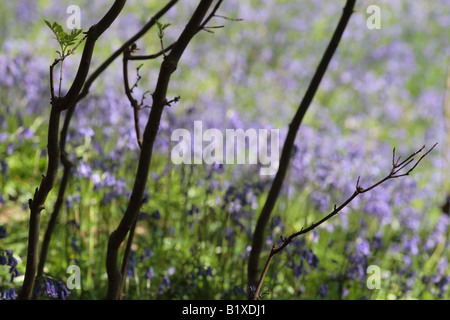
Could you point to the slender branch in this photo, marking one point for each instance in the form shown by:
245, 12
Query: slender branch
63, 134
211, 15
258, 235
61, 60
128, 56
125, 77
60, 78
358, 190
152, 56
126, 257
207, 29
36, 204
134, 103
136, 107
168, 66
52, 88
90, 80
53, 218
410, 170
227, 18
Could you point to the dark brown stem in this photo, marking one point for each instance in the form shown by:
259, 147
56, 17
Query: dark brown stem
126, 257
63, 134
119, 51
134, 104
58, 104
37, 205
136, 108
152, 56
168, 66
92, 35
259, 232
358, 190
53, 218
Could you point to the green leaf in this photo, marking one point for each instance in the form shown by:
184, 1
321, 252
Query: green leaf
75, 33
64, 39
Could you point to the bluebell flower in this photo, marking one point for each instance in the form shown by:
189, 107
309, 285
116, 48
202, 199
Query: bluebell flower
165, 284
74, 244
312, 259
171, 271
209, 272
320, 200
10, 149
26, 11
49, 289
199, 271
191, 276
150, 273
109, 180
38, 288
8, 294
4, 168
204, 271
131, 264
230, 235
14, 273
61, 290
96, 180
323, 290
411, 245
276, 222
363, 247
443, 285
238, 291
3, 136
3, 260
88, 132
3, 232
297, 269
148, 253
442, 265
358, 266
71, 200
144, 216
156, 215
407, 261
7, 258
84, 170
53, 288
193, 210
376, 242
28, 133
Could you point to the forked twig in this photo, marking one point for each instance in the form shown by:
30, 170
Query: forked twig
58, 60
397, 166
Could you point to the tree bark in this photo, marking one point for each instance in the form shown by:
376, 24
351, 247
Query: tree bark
168, 66
286, 154
59, 104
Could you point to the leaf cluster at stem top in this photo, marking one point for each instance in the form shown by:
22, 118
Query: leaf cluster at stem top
64, 39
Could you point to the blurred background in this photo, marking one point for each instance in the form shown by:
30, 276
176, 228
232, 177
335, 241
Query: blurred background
384, 88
